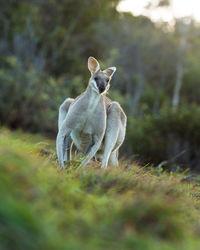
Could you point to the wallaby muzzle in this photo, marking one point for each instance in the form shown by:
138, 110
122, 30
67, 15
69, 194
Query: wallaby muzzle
101, 88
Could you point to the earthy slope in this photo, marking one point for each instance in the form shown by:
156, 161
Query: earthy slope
128, 207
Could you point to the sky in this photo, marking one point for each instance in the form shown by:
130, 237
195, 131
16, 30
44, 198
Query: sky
178, 8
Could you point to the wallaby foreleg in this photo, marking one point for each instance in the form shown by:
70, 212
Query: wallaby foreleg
95, 147
89, 147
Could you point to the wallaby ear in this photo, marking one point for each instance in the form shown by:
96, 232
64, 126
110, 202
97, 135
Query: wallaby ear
110, 71
93, 65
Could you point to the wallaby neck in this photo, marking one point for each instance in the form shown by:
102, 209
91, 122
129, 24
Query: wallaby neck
93, 98
90, 93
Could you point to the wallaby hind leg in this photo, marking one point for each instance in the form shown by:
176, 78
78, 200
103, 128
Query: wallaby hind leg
63, 139
63, 110
61, 143
111, 133
110, 141
113, 160
115, 134
67, 148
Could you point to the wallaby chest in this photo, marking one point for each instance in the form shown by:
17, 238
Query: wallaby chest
90, 122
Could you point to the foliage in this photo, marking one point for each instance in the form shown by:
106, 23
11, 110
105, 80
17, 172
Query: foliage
170, 133
118, 208
44, 46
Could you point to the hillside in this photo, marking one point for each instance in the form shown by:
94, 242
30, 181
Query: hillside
129, 207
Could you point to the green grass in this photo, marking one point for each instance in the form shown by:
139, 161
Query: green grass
128, 207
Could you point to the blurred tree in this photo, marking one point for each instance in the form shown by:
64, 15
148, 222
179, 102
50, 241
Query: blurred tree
44, 46
183, 29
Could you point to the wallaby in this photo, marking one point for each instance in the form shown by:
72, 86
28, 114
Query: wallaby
94, 123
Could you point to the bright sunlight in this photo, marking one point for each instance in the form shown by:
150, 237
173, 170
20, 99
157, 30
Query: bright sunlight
177, 9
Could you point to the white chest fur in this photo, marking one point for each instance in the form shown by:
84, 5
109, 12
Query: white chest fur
82, 133
92, 104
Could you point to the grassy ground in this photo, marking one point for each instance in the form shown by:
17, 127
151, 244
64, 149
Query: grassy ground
128, 207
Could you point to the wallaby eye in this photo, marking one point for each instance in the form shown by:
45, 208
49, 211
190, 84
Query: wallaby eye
107, 80
96, 78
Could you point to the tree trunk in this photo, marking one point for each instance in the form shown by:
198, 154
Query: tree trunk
140, 86
180, 67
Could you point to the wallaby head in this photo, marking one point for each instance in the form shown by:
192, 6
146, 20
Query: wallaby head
100, 80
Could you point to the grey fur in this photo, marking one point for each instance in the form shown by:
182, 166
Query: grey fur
94, 123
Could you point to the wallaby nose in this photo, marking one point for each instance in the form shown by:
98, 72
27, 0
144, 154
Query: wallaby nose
101, 88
